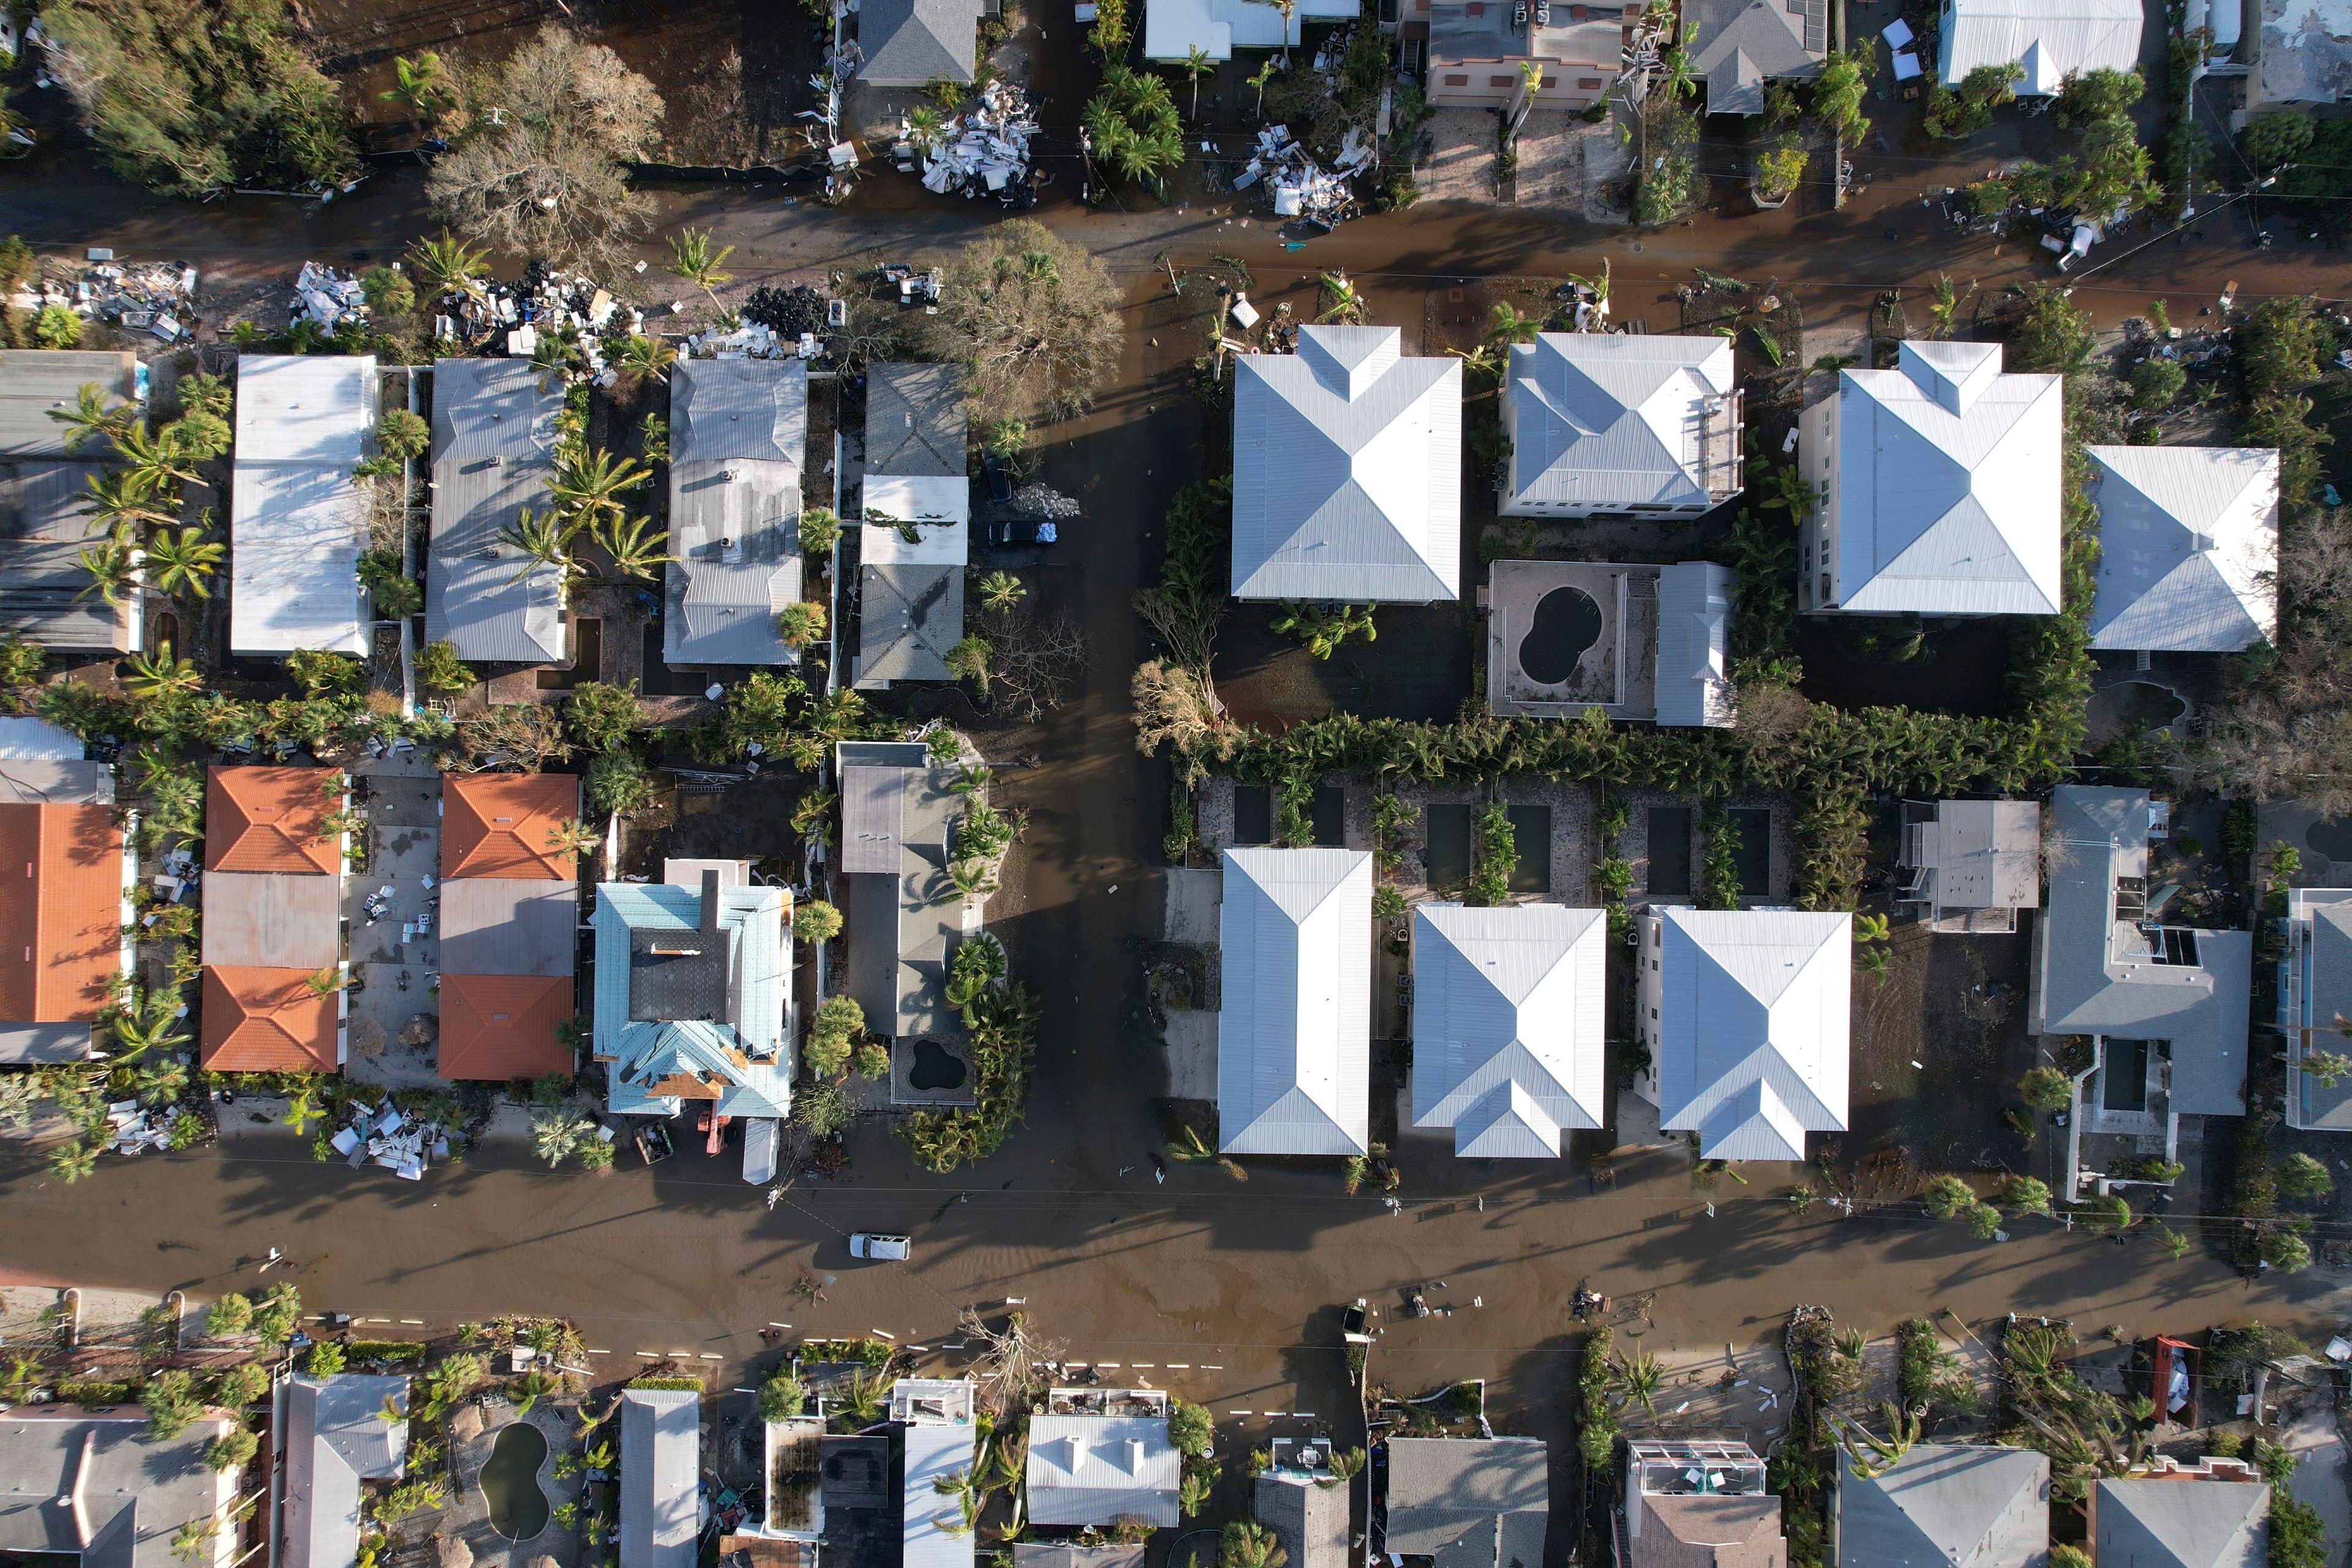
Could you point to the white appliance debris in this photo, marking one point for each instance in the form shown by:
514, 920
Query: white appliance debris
1301, 187
984, 150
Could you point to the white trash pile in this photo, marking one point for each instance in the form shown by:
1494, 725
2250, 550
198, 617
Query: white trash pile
984, 149
158, 297
751, 341
136, 1130
507, 318
327, 297
1300, 186
388, 1137
1038, 500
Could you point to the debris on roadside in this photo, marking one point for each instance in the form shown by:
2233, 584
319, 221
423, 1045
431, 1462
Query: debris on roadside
388, 1137
1301, 187
156, 297
136, 1130
507, 318
915, 288
984, 150
752, 340
788, 312
1038, 500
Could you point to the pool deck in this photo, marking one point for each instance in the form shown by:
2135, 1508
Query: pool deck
1618, 673
466, 1517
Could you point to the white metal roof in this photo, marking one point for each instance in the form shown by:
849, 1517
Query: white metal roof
1754, 1009
1613, 418
1347, 471
1695, 645
1508, 1028
297, 520
1102, 1469
1172, 29
1945, 495
929, 1518
1293, 1033
2188, 548
661, 1474
940, 508
2051, 39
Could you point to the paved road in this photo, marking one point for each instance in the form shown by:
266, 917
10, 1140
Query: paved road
1199, 1271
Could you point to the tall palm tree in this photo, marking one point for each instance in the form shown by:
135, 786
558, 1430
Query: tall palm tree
91, 417
153, 459
575, 837
1342, 302
122, 502
1246, 1543
1264, 74
421, 86
1289, 10
543, 537
113, 573
925, 128
1197, 64
636, 547
448, 265
146, 1026
590, 487
643, 359
1508, 326
960, 1486
692, 258
158, 676
184, 560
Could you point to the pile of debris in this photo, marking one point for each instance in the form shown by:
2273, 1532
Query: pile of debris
984, 151
752, 340
158, 297
508, 318
1038, 500
1301, 187
387, 1136
787, 312
327, 297
136, 1130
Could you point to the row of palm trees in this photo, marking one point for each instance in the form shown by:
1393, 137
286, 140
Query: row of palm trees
136, 498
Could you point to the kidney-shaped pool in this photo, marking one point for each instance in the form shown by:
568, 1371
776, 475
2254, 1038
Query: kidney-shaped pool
511, 1487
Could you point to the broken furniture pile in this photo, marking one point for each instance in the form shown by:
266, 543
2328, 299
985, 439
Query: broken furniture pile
157, 297
136, 1129
391, 1139
1301, 187
984, 151
497, 318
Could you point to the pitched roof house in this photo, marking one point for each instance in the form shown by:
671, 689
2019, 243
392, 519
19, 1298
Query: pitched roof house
1618, 422
2215, 1513
335, 1437
1693, 668
1746, 1012
661, 1476
66, 867
1309, 1519
509, 912
2053, 39
2314, 992
493, 454
1938, 486
2188, 548
1469, 1502
273, 920
128, 1494
1088, 1469
691, 986
738, 435
297, 521
911, 43
910, 591
2112, 969
902, 911
1347, 471
1699, 1504
1294, 1031
1737, 45
44, 588
1945, 1505
1509, 1038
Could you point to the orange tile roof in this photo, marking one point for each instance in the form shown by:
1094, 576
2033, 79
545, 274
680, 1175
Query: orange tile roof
267, 820
266, 1020
60, 912
497, 824
500, 1026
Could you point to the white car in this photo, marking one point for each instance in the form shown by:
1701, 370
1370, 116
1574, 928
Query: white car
880, 1248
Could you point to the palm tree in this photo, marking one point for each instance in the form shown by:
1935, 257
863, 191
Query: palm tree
635, 545
69, 1162
862, 1394
1196, 64
925, 128
185, 561
324, 981
1869, 1455
150, 457
692, 258
91, 417
1000, 591
1508, 326
1597, 287
1289, 10
800, 623
1947, 308
1246, 1543
960, 1486
1637, 1381
111, 572
590, 487
448, 265
1679, 80
1264, 74
146, 1026
1188, 1149
121, 501
643, 358
575, 837
1342, 301
541, 536
152, 678
421, 86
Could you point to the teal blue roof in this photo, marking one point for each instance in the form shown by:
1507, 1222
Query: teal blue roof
645, 1051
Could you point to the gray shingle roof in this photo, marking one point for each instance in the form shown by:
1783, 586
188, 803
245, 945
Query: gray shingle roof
915, 421
34, 381
2188, 548
1469, 1502
739, 433
135, 1490
2183, 1524
42, 535
1943, 1505
1736, 46
661, 1472
493, 454
2098, 973
1310, 1520
335, 1438
1347, 471
896, 813
909, 43
907, 619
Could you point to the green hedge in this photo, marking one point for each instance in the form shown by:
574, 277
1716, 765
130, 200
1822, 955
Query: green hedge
679, 1384
384, 1349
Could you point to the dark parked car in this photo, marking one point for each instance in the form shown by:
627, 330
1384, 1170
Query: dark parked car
1000, 483
1021, 530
